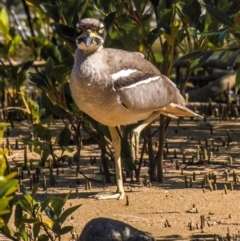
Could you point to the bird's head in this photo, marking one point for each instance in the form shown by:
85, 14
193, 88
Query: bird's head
91, 35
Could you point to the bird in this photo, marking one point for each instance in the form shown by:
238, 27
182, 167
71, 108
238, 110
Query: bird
117, 88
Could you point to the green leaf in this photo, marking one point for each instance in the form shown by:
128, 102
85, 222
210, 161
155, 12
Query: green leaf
29, 220
103, 5
221, 54
49, 50
180, 36
4, 16
27, 65
68, 212
64, 137
46, 202
43, 132
21, 77
9, 187
51, 11
127, 24
26, 206
56, 228
68, 149
67, 55
155, 2
41, 112
43, 237
8, 46
152, 36
11, 175
139, 5
66, 197
29, 199
34, 190
49, 66
4, 206
232, 59
220, 16
4, 212
193, 32
36, 229
237, 82
18, 215
37, 150
4, 21
158, 57
147, 18
222, 36
72, 8
130, 43
45, 152
191, 10
165, 16
61, 72
109, 21
38, 78
23, 233
50, 105
65, 32
191, 55
57, 206
201, 60
65, 230
48, 121
33, 103
49, 212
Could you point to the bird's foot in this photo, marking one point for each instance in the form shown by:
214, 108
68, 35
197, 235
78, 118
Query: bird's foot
106, 196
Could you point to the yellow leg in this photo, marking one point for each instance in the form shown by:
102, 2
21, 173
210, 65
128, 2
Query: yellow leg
136, 133
116, 142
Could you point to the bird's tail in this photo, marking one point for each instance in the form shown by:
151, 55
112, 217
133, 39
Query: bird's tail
174, 110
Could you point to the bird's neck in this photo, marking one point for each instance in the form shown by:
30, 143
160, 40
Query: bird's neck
90, 50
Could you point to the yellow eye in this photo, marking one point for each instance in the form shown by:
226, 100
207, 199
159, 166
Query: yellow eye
79, 29
101, 28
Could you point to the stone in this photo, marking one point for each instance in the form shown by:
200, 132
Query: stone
106, 229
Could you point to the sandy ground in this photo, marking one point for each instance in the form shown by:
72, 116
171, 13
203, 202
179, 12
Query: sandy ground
167, 211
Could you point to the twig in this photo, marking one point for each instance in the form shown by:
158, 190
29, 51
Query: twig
90, 179
14, 108
131, 216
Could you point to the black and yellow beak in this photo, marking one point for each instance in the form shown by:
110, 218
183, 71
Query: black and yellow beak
88, 41
88, 38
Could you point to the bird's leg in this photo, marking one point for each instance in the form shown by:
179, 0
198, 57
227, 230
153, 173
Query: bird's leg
136, 132
116, 142
135, 143
164, 123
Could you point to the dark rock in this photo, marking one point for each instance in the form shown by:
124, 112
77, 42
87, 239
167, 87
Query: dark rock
105, 229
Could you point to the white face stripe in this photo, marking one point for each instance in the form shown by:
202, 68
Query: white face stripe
146, 81
122, 73
92, 48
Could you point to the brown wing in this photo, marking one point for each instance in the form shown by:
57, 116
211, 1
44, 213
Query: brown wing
139, 85
152, 94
